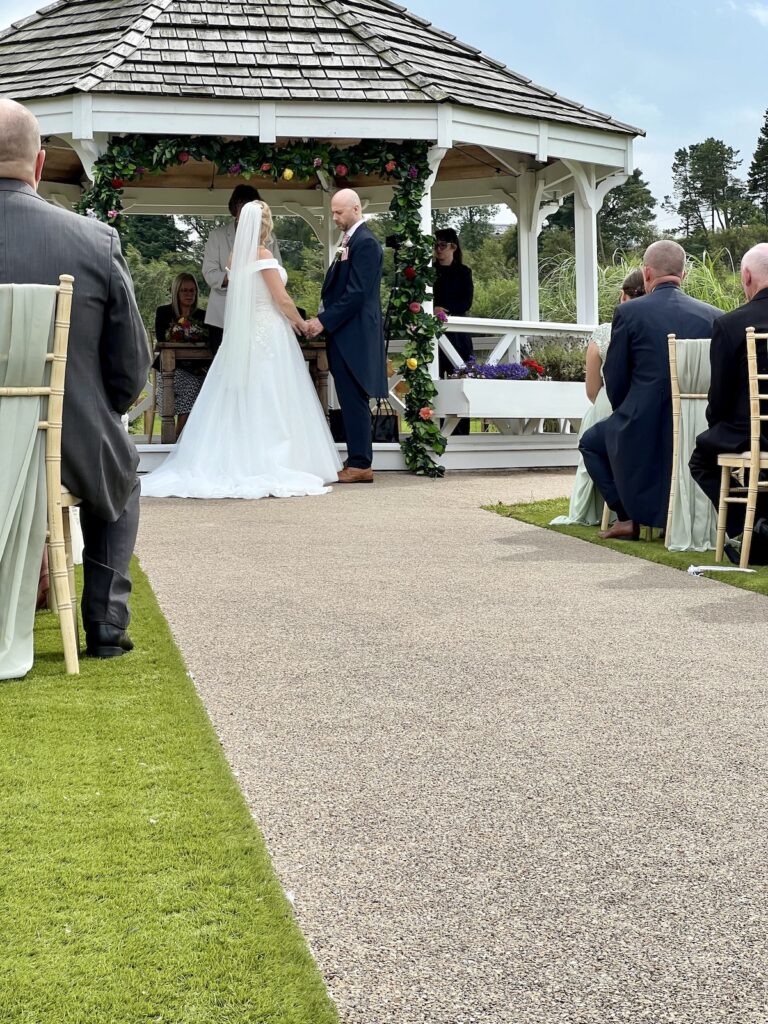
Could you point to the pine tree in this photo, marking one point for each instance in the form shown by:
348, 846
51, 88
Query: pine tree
626, 220
757, 179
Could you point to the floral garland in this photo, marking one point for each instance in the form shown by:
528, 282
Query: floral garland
132, 157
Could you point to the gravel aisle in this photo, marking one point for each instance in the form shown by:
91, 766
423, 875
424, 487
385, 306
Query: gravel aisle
509, 777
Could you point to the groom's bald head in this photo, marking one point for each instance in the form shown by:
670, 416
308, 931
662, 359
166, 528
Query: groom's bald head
346, 208
21, 157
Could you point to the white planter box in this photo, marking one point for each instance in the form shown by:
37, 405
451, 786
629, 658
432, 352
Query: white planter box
511, 399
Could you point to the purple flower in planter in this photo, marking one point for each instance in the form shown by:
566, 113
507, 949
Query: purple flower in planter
488, 371
235, 168
413, 172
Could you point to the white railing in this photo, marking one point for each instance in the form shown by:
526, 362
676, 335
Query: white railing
500, 339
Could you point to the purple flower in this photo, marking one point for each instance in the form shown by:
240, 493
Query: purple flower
235, 168
413, 172
488, 371
140, 170
441, 316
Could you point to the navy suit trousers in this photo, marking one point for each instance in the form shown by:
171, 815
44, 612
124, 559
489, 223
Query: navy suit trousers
355, 410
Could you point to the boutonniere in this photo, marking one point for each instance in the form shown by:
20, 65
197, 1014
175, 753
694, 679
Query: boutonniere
339, 254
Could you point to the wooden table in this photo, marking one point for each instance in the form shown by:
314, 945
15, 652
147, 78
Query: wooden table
313, 351
169, 353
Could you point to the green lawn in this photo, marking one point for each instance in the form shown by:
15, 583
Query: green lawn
539, 513
134, 884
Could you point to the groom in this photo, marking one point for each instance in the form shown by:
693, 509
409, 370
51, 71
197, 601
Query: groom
351, 318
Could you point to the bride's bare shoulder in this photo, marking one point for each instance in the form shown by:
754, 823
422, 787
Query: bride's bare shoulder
265, 254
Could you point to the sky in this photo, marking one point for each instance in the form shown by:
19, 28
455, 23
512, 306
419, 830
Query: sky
682, 70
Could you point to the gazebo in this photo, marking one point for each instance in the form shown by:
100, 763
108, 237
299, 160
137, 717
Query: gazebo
340, 72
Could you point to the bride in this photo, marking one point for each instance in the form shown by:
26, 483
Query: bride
257, 427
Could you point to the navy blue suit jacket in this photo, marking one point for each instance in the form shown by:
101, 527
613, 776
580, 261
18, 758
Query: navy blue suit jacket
638, 433
351, 313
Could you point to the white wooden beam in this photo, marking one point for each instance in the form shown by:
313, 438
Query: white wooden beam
267, 121
445, 126
434, 157
89, 151
82, 116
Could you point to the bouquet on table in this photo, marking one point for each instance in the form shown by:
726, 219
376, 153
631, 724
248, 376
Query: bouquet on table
186, 331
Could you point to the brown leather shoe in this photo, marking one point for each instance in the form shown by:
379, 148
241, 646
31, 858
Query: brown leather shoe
350, 475
622, 529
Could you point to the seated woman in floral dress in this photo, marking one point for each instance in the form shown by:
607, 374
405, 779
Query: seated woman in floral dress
182, 321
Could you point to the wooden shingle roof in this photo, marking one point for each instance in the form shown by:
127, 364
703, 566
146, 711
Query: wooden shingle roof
353, 50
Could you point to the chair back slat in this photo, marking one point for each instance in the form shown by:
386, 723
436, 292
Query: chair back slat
756, 397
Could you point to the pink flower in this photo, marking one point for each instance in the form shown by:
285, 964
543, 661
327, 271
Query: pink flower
183, 156
415, 307
425, 413
266, 167
390, 166
317, 162
441, 316
112, 214
342, 170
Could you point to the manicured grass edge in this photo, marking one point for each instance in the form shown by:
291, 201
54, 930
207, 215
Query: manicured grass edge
540, 513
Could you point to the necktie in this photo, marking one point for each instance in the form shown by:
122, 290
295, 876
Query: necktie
345, 240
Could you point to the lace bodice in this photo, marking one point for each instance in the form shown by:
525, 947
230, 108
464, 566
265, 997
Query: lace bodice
602, 338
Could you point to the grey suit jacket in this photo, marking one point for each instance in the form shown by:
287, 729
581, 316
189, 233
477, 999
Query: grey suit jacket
109, 354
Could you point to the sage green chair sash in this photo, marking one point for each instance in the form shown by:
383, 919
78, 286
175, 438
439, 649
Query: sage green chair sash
26, 332
694, 519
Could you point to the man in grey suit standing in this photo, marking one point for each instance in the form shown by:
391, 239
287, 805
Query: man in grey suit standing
107, 367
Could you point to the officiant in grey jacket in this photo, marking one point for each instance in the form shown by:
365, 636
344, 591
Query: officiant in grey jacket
218, 250
107, 368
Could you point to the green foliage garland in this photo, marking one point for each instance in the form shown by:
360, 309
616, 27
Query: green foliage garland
132, 157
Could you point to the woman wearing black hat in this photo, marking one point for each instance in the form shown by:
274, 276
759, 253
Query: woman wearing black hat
453, 294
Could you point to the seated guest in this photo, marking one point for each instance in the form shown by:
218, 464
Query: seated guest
106, 370
586, 505
728, 409
453, 294
190, 373
629, 454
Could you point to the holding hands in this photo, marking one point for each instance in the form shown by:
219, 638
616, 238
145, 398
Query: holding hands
314, 327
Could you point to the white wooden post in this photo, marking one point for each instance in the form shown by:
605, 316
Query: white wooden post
434, 156
585, 231
588, 198
527, 245
329, 231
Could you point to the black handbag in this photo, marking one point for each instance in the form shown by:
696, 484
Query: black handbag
384, 424
385, 427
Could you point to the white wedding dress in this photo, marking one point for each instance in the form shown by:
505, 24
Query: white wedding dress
257, 427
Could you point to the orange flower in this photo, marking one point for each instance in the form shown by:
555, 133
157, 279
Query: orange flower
425, 412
